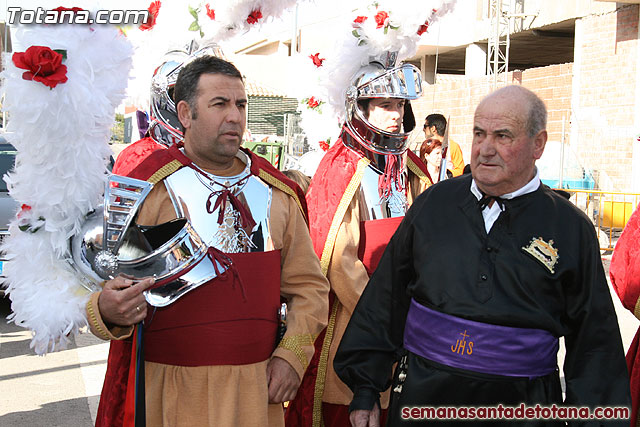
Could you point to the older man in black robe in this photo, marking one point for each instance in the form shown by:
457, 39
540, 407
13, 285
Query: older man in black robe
484, 275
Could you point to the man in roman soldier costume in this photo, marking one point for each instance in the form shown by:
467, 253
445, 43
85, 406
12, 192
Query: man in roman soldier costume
357, 197
209, 356
475, 288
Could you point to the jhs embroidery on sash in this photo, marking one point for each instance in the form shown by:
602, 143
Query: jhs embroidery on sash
463, 346
543, 252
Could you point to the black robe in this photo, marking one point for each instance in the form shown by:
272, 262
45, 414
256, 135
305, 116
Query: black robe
442, 257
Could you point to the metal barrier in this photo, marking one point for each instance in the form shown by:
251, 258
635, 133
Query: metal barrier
609, 211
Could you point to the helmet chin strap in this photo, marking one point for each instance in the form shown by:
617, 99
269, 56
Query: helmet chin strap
391, 165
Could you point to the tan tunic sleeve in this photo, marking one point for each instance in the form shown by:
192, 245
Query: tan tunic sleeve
302, 282
347, 274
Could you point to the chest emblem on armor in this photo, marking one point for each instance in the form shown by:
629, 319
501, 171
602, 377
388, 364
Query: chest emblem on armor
543, 252
463, 346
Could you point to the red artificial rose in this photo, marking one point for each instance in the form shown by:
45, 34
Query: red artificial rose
313, 102
254, 16
73, 9
359, 19
317, 61
154, 9
210, 12
42, 64
324, 145
423, 28
24, 209
381, 17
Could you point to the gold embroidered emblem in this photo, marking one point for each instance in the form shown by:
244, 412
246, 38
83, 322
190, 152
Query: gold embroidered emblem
543, 252
463, 346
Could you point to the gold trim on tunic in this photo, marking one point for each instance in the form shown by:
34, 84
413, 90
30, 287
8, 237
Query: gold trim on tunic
321, 375
270, 179
411, 165
340, 212
295, 343
636, 312
165, 171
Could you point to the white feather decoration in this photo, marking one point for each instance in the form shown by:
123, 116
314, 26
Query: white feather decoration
61, 135
357, 42
231, 18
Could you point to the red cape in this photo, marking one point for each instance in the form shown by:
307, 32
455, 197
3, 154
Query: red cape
134, 154
330, 182
154, 168
625, 278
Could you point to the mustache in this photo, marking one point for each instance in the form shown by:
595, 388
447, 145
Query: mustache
236, 129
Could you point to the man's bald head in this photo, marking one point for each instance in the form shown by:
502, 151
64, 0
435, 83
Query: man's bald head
509, 136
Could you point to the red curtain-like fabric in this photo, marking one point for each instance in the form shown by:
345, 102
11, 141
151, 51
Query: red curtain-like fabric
625, 278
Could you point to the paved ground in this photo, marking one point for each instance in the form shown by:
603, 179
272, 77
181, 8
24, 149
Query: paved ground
62, 389
57, 390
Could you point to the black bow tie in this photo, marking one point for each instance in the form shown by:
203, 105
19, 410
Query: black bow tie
486, 201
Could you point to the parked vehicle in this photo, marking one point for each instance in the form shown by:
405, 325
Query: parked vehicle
8, 206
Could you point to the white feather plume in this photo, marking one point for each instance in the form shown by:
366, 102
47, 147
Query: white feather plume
356, 43
61, 135
233, 17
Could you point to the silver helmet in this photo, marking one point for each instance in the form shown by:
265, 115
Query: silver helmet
110, 244
381, 79
165, 126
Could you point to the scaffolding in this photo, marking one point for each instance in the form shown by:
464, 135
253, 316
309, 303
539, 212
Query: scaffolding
498, 41
505, 17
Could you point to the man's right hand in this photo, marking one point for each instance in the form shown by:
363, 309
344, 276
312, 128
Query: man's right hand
365, 418
121, 301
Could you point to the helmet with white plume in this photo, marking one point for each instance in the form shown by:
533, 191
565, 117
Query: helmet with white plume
380, 79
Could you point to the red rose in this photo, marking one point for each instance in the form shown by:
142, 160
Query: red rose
317, 61
324, 145
154, 9
254, 16
359, 19
312, 102
73, 9
381, 17
210, 12
423, 28
42, 64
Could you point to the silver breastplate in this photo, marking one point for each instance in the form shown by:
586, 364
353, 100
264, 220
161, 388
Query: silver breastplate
190, 190
372, 206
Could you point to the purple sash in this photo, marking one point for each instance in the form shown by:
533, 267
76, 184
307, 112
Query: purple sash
479, 347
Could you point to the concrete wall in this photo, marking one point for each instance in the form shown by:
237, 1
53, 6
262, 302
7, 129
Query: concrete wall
605, 104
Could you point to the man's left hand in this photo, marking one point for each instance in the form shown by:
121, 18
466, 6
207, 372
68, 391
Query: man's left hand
282, 379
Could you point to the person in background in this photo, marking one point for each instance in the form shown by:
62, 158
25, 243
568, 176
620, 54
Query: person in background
434, 127
431, 155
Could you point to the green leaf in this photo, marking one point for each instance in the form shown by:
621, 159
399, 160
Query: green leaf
194, 12
194, 26
61, 52
362, 42
386, 30
355, 34
201, 34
